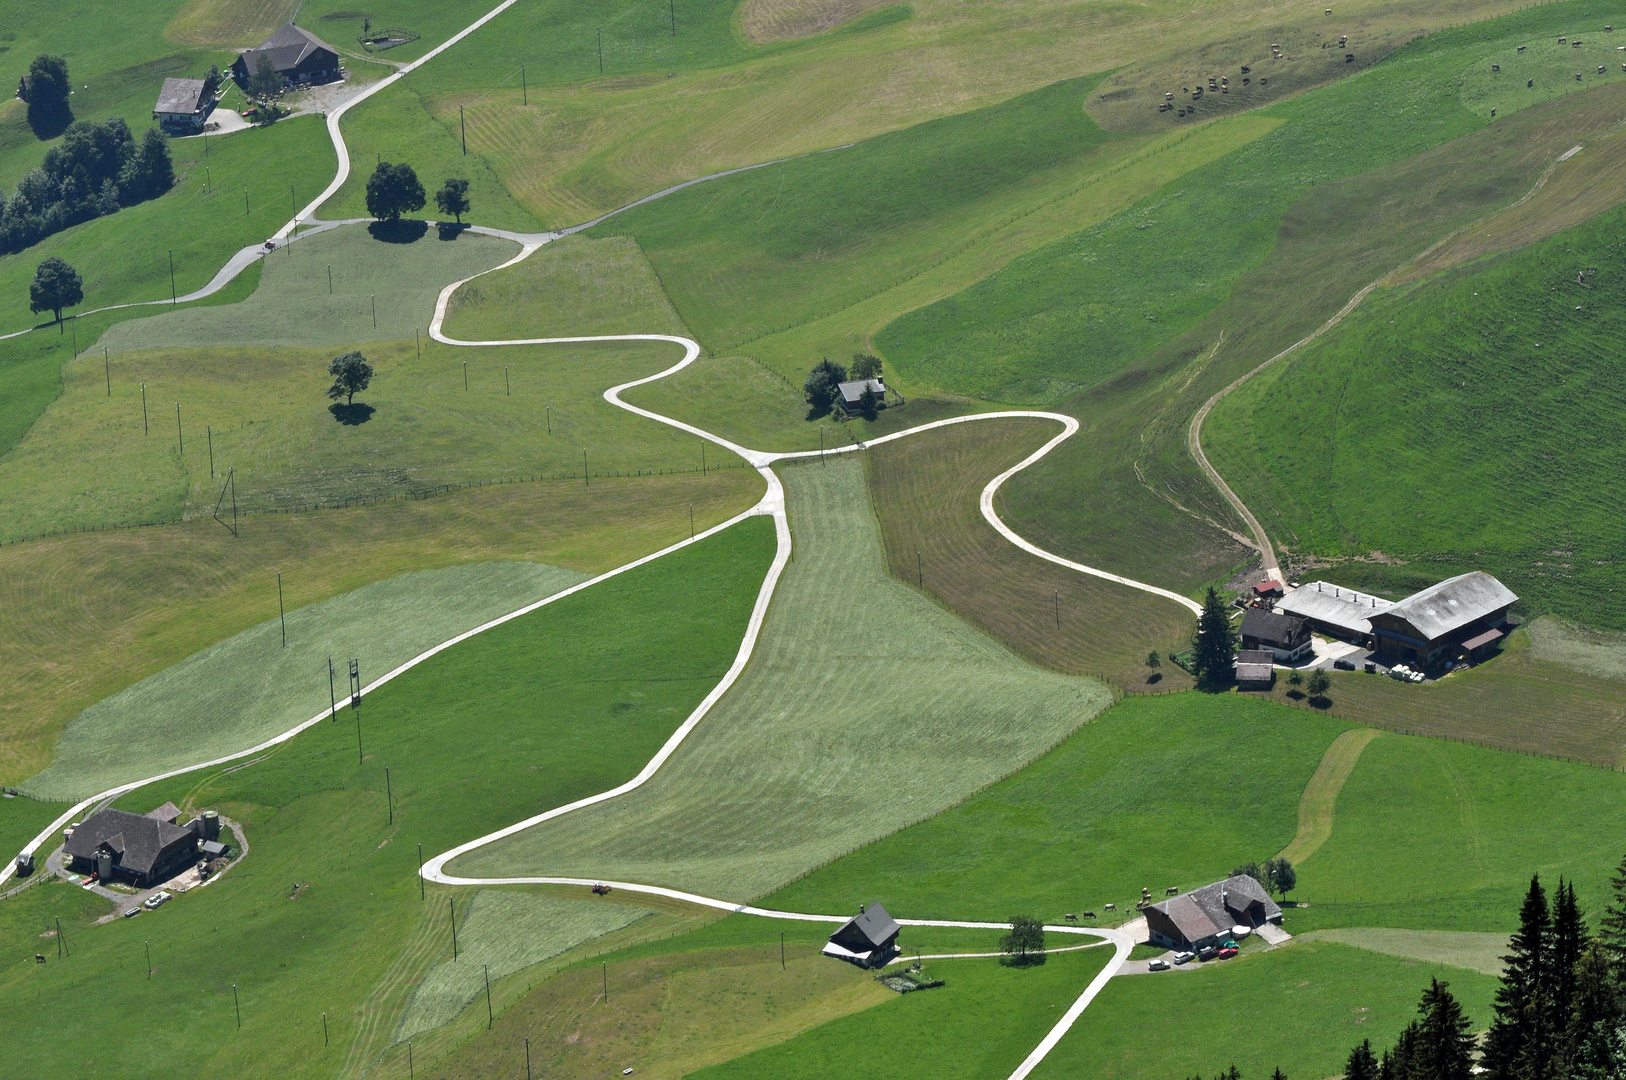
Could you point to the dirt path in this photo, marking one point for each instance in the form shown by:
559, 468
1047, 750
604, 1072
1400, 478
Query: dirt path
1320, 796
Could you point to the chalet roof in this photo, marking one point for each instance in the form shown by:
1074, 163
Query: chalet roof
180, 97
871, 926
1453, 603
140, 840
852, 391
1192, 921
1333, 605
1214, 909
287, 48
168, 812
1255, 665
1280, 631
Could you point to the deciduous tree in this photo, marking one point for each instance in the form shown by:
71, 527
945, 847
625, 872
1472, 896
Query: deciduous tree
351, 374
393, 190
453, 198
1025, 942
56, 286
822, 384
865, 366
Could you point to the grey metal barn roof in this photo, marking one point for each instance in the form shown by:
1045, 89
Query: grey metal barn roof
139, 839
1334, 605
1453, 603
287, 48
179, 97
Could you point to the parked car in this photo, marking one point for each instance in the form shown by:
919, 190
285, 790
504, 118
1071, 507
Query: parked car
156, 901
1158, 965
1344, 665
1227, 952
1207, 954
1184, 957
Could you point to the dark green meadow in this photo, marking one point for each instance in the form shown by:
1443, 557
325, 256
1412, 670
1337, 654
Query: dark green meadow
1474, 421
566, 701
764, 250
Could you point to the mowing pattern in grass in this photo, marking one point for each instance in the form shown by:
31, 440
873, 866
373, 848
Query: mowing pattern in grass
571, 699
229, 22
250, 686
500, 933
393, 275
84, 616
1336, 997
1458, 830
773, 247
1494, 399
926, 490
979, 1026
1158, 791
1072, 314
865, 708
1459, 948
264, 413
670, 1012
1589, 651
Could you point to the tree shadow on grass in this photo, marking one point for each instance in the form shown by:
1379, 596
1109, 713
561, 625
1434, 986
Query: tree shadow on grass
449, 230
398, 231
47, 120
1023, 960
351, 415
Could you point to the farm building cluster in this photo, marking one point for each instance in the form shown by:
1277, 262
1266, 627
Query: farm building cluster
1459, 620
295, 55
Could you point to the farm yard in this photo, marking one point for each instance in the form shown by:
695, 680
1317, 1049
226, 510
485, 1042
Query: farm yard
1302, 265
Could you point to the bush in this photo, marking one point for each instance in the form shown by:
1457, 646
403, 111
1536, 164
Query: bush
821, 386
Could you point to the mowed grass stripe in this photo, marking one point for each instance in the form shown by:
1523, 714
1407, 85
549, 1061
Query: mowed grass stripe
1320, 797
864, 708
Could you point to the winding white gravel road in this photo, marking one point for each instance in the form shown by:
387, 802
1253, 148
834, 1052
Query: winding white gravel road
772, 504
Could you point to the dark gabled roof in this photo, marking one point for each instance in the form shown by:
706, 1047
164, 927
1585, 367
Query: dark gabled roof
139, 840
1192, 921
1214, 909
871, 928
1281, 631
287, 48
180, 97
168, 812
1453, 603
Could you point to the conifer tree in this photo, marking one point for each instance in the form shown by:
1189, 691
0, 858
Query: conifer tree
1445, 1043
1362, 1064
1570, 940
1213, 644
1591, 1043
1612, 927
1397, 1060
1520, 1041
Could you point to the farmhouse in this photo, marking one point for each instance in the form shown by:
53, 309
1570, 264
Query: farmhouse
142, 849
1466, 614
183, 104
1286, 637
1205, 916
852, 394
868, 939
1334, 610
297, 55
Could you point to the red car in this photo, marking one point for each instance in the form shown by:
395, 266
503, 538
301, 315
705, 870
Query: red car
1226, 954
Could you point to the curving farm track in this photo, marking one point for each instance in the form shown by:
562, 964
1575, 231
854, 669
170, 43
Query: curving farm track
772, 504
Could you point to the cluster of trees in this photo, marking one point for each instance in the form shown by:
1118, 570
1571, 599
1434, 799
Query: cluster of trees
1560, 1012
1276, 874
1025, 943
394, 190
822, 387
96, 169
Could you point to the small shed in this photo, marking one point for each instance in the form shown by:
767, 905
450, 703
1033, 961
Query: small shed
1254, 669
183, 104
868, 939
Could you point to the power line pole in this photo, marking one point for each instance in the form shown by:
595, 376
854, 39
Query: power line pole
144, 428
209, 434
524, 99
464, 127
180, 438
451, 906
333, 701
389, 796
282, 612
173, 299
421, 895
672, 4
107, 366
490, 1016
601, 52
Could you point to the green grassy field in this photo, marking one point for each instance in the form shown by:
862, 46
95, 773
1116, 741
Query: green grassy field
865, 708
1158, 791
21, 820
1335, 995
1458, 394
981, 1024
251, 686
470, 747
399, 278
1481, 952
1072, 314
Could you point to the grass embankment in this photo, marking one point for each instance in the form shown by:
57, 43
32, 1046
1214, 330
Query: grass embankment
1336, 997
21, 819
979, 1026
865, 707
604, 677
88, 615
124, 256
526, 412
1160, 791
1492, 398
926, 490
255, 684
